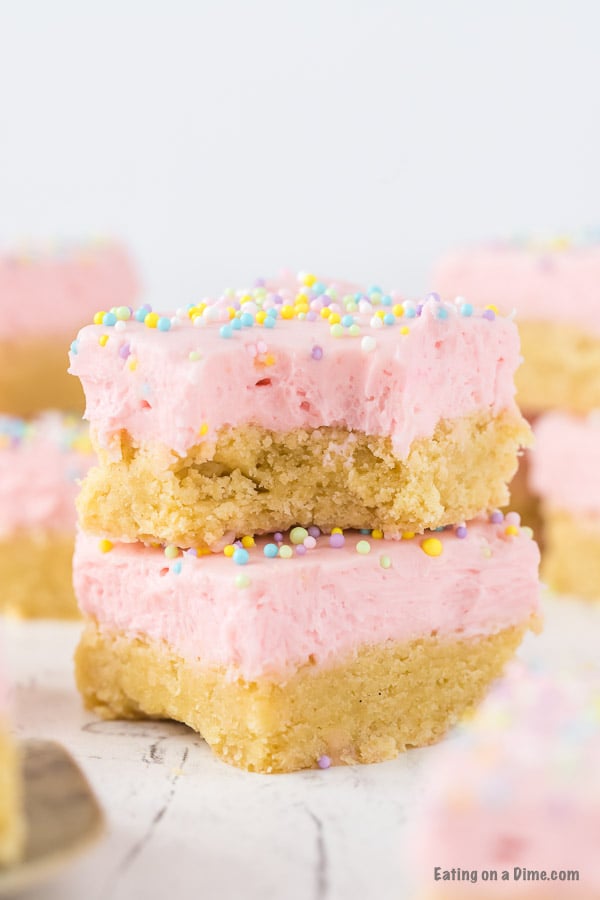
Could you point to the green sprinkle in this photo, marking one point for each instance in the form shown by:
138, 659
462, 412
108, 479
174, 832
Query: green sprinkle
242, 581
385, 562
363, 547
171, 551
285, 552
298, 535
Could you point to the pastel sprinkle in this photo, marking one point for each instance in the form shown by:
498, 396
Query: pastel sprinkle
337, 330
105, 546
314, 531
242, 581
317, 352
363, 547
194, 356
489, 314
176, 568
526, 531
171, 551
377, 534
385, 562
103, 340
497, 517
278, 536
109, 319
466, 309
407, 535
432, 546
310, 542
336, 540
163, 324
461, 532
324, 762
300, 549
151, 319
226, 331
241, 556
229, 550
248, 541
511, 530
123, 313
512, 518
285, 552
271, 550
298, 535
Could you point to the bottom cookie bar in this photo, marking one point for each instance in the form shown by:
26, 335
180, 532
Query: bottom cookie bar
36, 575
285, 652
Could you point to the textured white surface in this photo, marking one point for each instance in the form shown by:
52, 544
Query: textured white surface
182, 823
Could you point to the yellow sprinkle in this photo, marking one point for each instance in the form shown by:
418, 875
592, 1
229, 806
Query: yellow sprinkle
407, 535
301, 307
231, 312
248, 541
301, 298
432, 546
512, 530
334, 318
151, 320
377, 534
203, 551
103, 340
132, 363
229, 550
287, 311
197, 310
405, 329
398, 310
381, 313
269, 359
247, 298
309, 280
203, 429
325, 312
260, 316
493, 308
105, 546
337, 531
98, 318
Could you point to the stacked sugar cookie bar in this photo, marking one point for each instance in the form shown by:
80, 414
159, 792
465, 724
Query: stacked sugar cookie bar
291, 541
555, 288
44, 448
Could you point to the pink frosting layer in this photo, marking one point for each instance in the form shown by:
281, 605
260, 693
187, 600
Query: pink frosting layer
519, 788
565, 467
295, 375
41, 463
561, 285
320, 605
55, 294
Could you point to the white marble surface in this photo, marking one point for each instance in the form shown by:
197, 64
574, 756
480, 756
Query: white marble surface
182, 823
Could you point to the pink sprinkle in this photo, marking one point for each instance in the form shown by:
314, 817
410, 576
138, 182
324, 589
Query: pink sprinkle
512, 518
262, 347
324, 762
310, 542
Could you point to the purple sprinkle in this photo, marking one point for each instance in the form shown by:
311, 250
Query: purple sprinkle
278, 537
434, 296
317, 352
461, 531
260, 282
497, 517
124, 351
191, 552
311, 316
419, 309
300, 549
277, 300
326, 299
336, 540
314, 531
489, 314
324, 762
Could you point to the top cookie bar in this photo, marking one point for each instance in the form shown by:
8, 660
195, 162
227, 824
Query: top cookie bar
273, 407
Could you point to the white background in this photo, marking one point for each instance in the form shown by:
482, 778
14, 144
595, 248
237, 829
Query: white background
224, 140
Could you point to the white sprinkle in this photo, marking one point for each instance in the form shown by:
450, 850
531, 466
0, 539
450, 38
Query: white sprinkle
120, 325
376, 322
368, 343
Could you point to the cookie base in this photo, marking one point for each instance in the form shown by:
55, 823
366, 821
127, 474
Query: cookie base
373, 705
12, 826
254, 481
33, 377
571, 558
36, 575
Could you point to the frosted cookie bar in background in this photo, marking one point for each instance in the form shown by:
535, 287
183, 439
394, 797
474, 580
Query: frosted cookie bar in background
44, 298
304, 649
265, 409
555, 289
565, 475
11, 813
517, 791
41, 463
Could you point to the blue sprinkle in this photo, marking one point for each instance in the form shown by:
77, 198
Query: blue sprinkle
347, 321
269, 322
163, 324
176, 568
441, 312
241, 556
226, 331
271, 550
389, 319
247, 319
273, 311
410, 312
319, 288
75, 348
236, 324
109, 319
141, 314
386, 300
374, 289
466, 309
365, 531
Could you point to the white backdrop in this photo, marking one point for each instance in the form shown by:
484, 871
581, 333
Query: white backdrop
226, 139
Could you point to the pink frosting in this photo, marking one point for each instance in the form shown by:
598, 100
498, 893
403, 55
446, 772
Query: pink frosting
565, 467
520, 787
442, 368
41, 463
319, 606
561, 285
55, 294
